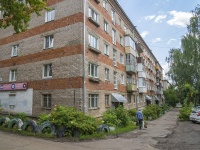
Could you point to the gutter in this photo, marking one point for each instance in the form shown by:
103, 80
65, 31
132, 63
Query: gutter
84, 57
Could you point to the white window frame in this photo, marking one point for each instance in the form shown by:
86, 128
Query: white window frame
106, 49
46, 100
49, 15
93, 100
93, 70
48, 41
93, 14
15, 50
115, 80
121, 40
106, 26
105, 4
107, 74
121, 58
107, 100
93, 41
13, 75
114, 41
114, 57
47, 71
113, 16
122, 79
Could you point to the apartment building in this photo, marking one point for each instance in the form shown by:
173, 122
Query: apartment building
85, 54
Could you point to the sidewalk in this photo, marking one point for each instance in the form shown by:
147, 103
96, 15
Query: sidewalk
135, 140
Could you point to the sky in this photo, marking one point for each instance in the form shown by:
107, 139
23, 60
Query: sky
161, 23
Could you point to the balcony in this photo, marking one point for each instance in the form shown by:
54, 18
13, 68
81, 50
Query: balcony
141, 74
131, 87
156, 67
140, 60
142, 89
131, 68
160, 92
139, 47
97, 1
130, 50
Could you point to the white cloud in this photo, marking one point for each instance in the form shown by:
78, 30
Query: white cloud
179, 18
149, 17
156, 40
160, 18
171, 40
144, 34
165, 69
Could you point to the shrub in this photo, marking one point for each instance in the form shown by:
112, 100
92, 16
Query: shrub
132, 114
21, 116
117, 117
73, 119
152, 111
185, 112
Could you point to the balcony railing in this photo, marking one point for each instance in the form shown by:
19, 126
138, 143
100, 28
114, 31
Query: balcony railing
160, 92
131, 87
131, 68
142, 89
142, 74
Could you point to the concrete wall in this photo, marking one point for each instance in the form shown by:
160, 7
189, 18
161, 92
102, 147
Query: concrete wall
21, 100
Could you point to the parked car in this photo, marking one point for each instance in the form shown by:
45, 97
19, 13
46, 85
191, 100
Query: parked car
195, 116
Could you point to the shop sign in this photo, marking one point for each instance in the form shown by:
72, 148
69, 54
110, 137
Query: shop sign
13, 86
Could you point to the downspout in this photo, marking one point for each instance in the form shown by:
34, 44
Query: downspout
84, 57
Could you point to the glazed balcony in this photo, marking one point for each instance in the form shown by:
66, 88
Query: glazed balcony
131, 87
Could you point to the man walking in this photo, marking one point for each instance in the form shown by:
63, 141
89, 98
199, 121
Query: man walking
139, 117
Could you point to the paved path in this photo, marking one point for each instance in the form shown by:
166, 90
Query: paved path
135, 140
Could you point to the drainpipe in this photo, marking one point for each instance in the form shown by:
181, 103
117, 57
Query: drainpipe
84, 59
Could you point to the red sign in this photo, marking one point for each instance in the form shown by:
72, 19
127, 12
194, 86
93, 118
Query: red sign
13, 86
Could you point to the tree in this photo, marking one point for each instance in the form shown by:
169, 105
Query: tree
17, 13
171, 97
184, 62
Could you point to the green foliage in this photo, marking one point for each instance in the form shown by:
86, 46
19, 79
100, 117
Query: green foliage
132, 115
185, 112
164, 108
71, 118
43, 117
18, 14
21, 116
171, 97
117, 117
153, 111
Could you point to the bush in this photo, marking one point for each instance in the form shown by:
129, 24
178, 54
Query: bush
152, 111
132, 115
185, 112
72, 119
117, 117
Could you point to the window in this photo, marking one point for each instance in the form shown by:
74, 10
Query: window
50, 15
47, 71
14, 50
49, 41
46, 101
121, 40
115, 80
105, 26
106, 74
105, 5
128, 79
107, 101
143, 82
93, 100
121, 58
106, 49
114, 57
93, 70
93, 14
125, 29
120, 22
13, 74
122, 79
113, 36
93, 41
113, 16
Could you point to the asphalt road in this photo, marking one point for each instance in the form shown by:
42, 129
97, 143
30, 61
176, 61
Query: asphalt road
163, 133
